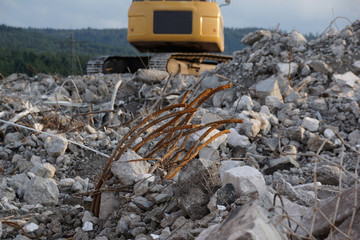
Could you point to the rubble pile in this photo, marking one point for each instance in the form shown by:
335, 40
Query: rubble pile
290, 169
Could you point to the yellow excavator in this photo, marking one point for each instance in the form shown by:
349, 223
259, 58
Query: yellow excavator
184, 36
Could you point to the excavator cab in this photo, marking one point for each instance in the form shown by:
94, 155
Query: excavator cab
176, 26
184, 34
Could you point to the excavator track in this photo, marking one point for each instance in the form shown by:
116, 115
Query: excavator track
95, 65
194, 63
116, 64
159, 61
176, 63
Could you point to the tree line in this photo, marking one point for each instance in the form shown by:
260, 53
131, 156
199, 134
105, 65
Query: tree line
66, 52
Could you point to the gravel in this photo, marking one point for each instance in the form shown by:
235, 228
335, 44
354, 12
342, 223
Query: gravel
299, 102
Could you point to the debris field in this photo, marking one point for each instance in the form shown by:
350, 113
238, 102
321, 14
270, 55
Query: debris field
263, 147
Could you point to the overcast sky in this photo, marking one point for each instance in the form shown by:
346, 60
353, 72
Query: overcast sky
303, 15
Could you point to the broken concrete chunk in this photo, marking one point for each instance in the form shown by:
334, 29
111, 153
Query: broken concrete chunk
329, 134
248, 66
273, 102
287, 69
292, 97
265, 120
337, 50
356, 25
77, 186
223, 196
6, 191
227, 165
282, 163
310, 124
31, 227
353, 233
305, 70
89, 129
193, 201
165, 234
209, 154
87, 226
290, 150
251, 126
142, 203
268, 87
151, 75
13, 77
331, 32
284, 85
18, 182
45, 170
209, 117
255, 56
354, 137
63, 160
142, 187
277, 48
122, 226
285, 162
128, 172
330, 175
224, 98
244, 103
298, 195
14, 140
356, 65
314, 142
246, 179
235, 139
272, 143
108, 205
56, 146
252, 123
348, 79
318, 104
253, 37
90, 97
41, 190
211, 81
265, 113
296, 133
251, 221
322, 226
320, 66
66, 182
214, 144
297, 39
354, 108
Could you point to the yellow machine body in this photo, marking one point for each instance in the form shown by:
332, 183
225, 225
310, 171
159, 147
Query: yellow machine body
183, 34
176, 26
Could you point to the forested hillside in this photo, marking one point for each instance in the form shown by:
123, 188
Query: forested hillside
31, 50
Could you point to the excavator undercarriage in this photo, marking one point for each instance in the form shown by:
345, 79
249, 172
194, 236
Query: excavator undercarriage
182, 63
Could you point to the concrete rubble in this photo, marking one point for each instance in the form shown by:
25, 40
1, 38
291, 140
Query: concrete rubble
298, 147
